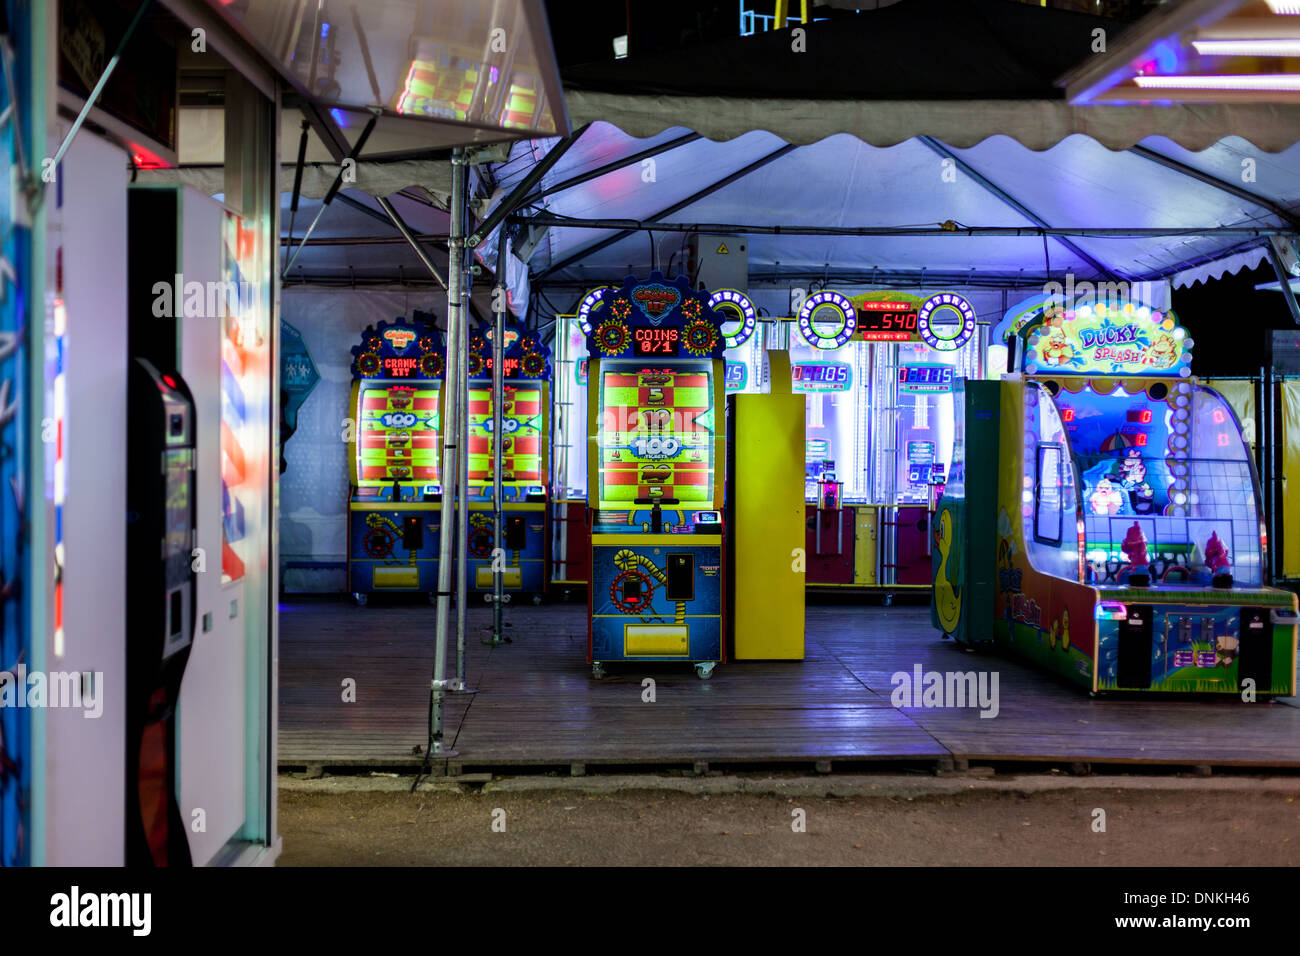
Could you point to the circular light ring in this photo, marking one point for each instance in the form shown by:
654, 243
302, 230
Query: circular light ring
729, 300
833, 300
590, 302
473, 365
533, 364
431, 364
700, 337
368, 364
946, 301
612, 337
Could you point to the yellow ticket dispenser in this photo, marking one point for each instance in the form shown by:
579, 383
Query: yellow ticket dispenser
766, 526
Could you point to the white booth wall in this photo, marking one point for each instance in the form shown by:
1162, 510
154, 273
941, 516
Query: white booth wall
79, 762
315, 485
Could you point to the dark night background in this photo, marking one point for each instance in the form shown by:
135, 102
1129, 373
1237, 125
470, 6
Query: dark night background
1230, 322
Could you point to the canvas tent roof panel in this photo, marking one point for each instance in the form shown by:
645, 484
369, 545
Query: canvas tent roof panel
841, 181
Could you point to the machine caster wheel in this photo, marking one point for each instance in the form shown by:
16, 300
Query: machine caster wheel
704, 670
537, 600
361, 599
597, 671
887, 600
487, 597
433, 598
505, 598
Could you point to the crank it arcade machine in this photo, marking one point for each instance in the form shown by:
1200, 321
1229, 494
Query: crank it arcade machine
394, 511
525, 469
656, 461
1130, 548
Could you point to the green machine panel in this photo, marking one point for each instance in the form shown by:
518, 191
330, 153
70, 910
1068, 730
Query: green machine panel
964, 553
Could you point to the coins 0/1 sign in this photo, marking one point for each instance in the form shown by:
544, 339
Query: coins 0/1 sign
656, 342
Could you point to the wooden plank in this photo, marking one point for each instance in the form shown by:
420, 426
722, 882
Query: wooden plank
537, 704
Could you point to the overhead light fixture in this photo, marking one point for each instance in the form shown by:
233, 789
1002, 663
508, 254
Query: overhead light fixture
1247, 47
620, 47
1278, 82
1286, 8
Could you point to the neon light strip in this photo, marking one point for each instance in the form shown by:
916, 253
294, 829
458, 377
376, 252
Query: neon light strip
60, 464
1247, 47
1284, 83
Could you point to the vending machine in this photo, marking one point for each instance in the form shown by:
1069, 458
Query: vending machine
160, 607
656, 468
525, 464
394, 453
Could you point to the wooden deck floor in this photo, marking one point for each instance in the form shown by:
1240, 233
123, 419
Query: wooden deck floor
538, 706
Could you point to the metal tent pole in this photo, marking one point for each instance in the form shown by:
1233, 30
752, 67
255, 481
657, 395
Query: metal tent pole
450, 450
498, 451
462, 497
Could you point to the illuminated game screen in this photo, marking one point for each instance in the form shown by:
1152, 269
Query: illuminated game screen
522, 428
397, 432
1176, 467
655, 434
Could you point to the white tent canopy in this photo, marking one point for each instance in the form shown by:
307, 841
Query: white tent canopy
978, 212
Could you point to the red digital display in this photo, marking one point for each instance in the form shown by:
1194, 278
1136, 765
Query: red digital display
1067, 415
1140, 416
397, 367
886, 322
1140, 440
650, 342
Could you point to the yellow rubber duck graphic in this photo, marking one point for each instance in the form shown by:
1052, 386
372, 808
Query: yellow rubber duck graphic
1065, 628
947, 599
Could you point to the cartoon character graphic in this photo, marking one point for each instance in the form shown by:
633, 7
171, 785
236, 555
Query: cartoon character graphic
1226, 649
1216, 554
1056, 349
1163, 351
1065, 628
1132, 477
1134, 547
1106, 499
947, 598
1006, 540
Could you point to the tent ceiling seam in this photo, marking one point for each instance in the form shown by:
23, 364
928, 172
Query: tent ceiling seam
1007, 199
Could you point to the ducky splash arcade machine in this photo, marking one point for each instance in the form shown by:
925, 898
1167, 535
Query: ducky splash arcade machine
525, 469
394, 509
656, 462
1128, 546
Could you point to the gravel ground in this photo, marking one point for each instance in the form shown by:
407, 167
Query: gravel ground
734, 821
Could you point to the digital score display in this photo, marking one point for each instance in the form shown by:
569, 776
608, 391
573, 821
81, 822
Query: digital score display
887, 322
821, 377
1139, 416
657, 343
930, 377
736, 376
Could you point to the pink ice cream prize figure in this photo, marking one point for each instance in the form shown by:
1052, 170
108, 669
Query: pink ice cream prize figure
1134, 547
1216, 553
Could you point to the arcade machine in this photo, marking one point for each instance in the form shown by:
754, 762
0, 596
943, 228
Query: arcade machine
656, 462
1129, 544
878, 371
160, 607
525, 427
395, 503
743, 375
